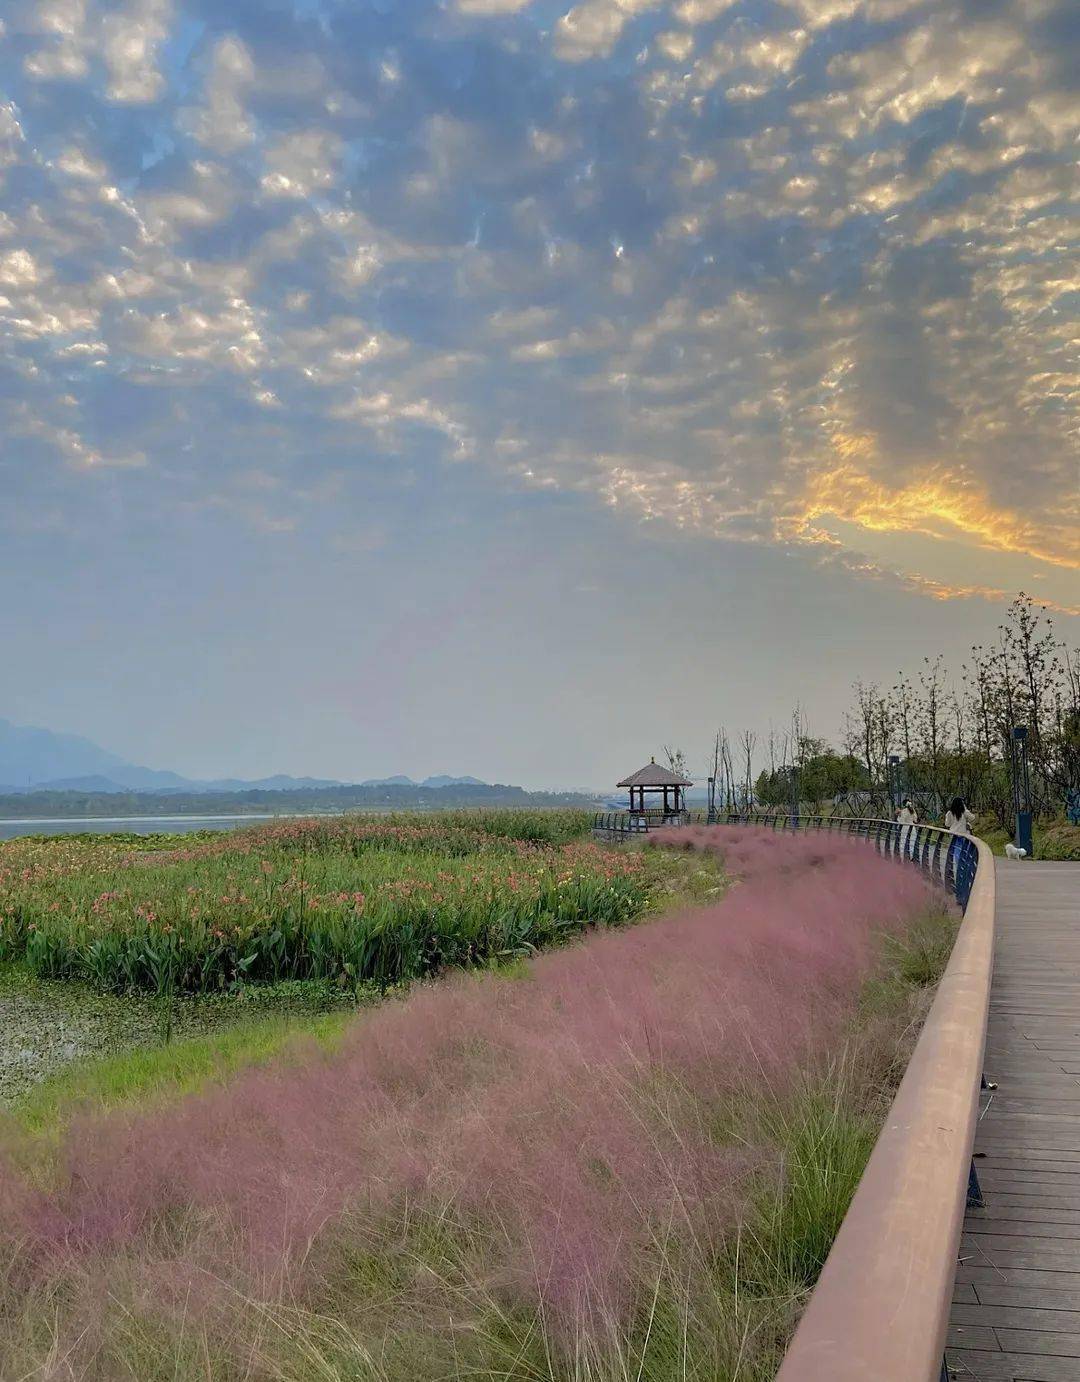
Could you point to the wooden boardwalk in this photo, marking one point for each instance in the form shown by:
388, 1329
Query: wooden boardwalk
1016, 1311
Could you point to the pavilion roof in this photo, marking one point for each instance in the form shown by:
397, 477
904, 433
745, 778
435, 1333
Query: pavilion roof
652, 775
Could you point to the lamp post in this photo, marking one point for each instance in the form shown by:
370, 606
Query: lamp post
894, 781
794, 797
711, 818
1021, 789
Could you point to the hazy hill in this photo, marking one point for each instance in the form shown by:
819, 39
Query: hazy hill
42, 803
439, 780
30, 756
35, 760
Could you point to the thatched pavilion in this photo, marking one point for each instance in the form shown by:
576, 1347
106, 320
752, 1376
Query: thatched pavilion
654, 780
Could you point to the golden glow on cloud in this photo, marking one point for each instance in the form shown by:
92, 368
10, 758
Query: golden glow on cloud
937, 504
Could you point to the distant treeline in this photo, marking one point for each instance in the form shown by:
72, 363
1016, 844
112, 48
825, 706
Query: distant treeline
257, 801
930, 736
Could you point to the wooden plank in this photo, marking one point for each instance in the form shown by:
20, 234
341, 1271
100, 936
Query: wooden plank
1022, 1255
1041, 1298
1007, 1218
982, 1273
1016, 1317
1022, 1195
972, 1336
983, 1366
1060, 1344
1012, 1178
983, 1236
1055, 1238
1028, 1159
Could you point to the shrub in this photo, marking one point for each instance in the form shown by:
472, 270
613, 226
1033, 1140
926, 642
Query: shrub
1058, 840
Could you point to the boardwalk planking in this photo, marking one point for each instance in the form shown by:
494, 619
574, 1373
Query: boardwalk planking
1016, 1312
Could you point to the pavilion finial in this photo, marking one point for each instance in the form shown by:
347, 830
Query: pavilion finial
653, 758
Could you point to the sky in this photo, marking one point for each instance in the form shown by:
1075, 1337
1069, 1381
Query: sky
492, 387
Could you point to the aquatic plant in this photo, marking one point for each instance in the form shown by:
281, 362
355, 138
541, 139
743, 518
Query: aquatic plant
351, 899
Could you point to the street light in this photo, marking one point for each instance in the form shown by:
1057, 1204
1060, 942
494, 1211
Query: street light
712, 801
894, 780
1021, 789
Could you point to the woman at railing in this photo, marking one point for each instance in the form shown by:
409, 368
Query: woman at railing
958, 821
906, 817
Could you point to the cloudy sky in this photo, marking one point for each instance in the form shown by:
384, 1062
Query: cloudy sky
486, 386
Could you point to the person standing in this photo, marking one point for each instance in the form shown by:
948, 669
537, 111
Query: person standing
906, 817
958, 820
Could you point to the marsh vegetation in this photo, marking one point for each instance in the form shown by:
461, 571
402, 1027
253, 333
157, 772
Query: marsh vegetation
625, 1157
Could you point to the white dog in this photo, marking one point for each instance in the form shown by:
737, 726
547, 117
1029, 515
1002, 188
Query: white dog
1014, 852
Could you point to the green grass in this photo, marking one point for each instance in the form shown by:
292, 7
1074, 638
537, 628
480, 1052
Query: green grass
1056, 840
96, 1050
821, 1133
353, 899
395, 1305
63, 1044
149, 1074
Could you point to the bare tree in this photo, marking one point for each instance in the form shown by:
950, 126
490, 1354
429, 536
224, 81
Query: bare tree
748, 741
676, 760
729, 772
721, 771
931, 720
903, 713
978, 677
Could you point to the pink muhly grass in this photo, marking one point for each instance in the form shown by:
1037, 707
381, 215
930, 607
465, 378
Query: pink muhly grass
558, 1106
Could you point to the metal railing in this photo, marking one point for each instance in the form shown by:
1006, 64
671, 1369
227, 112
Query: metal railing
613, 824
881, 1305
951, 860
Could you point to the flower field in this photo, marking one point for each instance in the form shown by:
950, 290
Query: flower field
356, 899
625, 1159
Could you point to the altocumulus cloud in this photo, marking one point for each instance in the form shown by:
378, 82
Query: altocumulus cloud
790, 272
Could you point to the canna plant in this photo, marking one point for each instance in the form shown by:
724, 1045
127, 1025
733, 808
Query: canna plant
356, 901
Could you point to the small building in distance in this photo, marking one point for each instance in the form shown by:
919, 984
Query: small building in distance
665, 790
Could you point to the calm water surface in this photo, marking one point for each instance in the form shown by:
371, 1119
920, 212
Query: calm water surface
135, 825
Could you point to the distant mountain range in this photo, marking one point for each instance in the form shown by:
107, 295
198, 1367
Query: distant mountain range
440, 780
39, 760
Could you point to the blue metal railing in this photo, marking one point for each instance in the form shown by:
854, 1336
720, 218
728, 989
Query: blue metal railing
951, 860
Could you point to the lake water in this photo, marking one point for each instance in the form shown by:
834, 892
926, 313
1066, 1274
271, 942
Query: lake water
135, 825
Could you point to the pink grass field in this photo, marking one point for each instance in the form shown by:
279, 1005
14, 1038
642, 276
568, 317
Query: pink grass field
554, 1105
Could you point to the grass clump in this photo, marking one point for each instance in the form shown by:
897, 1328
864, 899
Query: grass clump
824, 1138
1056, 840
628, 1162
150, 1073
74, 1040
